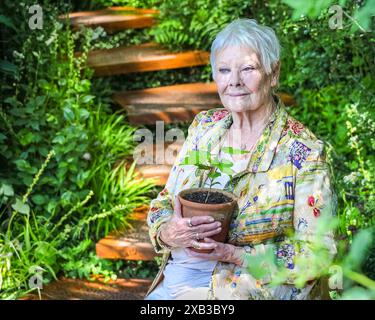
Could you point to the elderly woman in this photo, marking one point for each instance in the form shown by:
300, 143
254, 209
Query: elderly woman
282, 183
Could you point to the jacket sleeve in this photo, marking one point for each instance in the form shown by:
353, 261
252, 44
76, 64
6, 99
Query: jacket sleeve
311, 246
162, 207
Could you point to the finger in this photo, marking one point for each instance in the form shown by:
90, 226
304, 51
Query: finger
209, 240
203, 245
202, 228
177, 207
197, 220
209, 233
202, 255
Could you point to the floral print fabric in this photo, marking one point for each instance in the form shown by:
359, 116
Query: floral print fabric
285, 186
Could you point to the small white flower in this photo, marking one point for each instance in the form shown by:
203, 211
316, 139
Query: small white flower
87, 156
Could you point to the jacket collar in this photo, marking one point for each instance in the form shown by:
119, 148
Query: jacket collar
265, 148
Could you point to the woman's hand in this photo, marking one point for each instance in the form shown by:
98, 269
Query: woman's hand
184, 232
224, 252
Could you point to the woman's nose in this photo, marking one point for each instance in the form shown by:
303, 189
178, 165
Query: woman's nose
235, 79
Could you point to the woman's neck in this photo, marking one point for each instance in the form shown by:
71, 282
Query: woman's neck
253, 121
247, 128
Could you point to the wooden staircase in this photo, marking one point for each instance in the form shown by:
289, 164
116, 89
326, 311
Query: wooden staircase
141, 58
113, 19
133, 244
171, 104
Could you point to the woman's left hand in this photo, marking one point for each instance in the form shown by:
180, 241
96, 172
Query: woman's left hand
223, 252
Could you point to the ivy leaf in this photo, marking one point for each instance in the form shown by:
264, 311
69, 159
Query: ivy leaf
7, 22
6, 190
87, 98
21, 207
68, 114
84, 114
8, 67
39, 199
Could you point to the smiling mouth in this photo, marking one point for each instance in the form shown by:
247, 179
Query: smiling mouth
238, 95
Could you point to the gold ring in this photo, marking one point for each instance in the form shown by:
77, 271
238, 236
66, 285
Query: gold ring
196, 245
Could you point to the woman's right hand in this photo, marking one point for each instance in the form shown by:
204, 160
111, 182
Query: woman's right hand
185, 232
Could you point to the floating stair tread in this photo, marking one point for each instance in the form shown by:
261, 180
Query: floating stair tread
114, 18
158, 172
76, 289
190, 93
160, 165
129, 245
141, 58
140, 213
172, 103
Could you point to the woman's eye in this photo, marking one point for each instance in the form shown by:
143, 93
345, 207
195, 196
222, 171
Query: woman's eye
248, 69
224, 70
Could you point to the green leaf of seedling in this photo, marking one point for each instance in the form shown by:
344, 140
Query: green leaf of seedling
227, 171
21, 207
214, 175
196, 157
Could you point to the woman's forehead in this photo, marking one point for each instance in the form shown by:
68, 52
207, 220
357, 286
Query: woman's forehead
232, 54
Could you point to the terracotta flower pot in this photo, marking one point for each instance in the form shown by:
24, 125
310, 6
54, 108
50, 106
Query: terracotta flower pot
219, 211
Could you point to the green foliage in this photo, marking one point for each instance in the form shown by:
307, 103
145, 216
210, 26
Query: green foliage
203, 160
194, 23
79, 191
50, 102
344, 271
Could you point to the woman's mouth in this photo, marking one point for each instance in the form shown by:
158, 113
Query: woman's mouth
238, 94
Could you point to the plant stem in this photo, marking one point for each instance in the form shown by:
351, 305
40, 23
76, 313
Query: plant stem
208, 192
361, 279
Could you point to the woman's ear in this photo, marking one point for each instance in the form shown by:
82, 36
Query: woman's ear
275, 74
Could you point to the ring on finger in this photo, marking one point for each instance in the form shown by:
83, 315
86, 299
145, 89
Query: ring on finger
189, 223
196, 245
197, 236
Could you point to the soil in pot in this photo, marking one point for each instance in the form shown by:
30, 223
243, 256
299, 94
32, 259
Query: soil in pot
220, 205
213, 197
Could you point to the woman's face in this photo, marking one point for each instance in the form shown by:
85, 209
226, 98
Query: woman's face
242, 84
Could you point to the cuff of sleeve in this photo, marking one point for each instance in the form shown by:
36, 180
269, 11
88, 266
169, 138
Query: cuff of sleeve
160, 242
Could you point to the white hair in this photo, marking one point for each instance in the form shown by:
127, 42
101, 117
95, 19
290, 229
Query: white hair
247, 32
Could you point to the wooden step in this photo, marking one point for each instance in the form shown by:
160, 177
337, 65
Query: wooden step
169, 104
158, 172
140, 213
142, 58
129, 245
161, 164
114, 18
76, 289
172, 103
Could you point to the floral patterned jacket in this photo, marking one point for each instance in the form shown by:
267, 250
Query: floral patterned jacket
286, 186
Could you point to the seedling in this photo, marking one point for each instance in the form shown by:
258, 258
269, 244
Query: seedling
204, 161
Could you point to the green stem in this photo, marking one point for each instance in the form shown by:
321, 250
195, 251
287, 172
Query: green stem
361, 279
